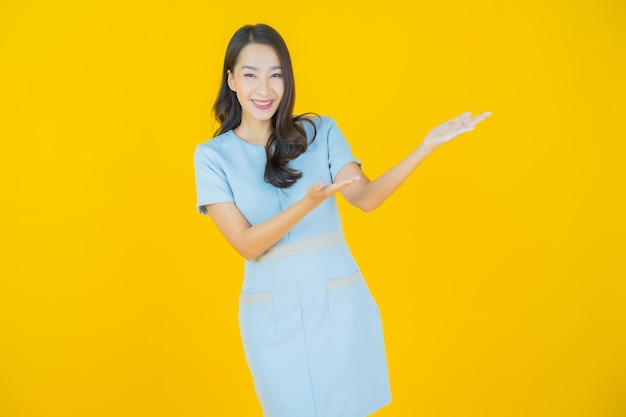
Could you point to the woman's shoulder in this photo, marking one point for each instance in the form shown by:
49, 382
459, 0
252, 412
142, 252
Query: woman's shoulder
215, 146
321, 123
219, 141
317, 119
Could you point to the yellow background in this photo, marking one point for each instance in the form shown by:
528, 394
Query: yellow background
499, 267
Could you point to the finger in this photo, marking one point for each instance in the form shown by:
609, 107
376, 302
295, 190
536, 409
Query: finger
455, 119
317, 187
352, 179
464, 116
484, 115
459, 131
343, 184
349, 180
333, 188
477, 119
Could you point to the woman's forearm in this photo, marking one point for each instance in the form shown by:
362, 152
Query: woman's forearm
374, 193
260, 237
253, 241
367, 195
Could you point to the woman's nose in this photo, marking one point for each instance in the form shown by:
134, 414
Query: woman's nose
263, 86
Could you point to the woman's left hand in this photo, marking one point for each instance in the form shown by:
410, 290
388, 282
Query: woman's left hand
451, 129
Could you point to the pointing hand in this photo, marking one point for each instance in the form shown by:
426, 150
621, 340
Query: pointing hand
319, 192
451, 129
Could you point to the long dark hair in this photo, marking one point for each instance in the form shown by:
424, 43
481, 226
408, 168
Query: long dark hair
287, 138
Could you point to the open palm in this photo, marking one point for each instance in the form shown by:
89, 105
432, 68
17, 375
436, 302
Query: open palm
452, 128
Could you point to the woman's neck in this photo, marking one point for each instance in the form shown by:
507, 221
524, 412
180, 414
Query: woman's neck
256, 133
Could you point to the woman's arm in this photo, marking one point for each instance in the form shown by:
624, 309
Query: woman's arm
368, 195
253, 241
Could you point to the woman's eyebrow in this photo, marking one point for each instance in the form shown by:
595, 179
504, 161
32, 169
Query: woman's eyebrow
250, 67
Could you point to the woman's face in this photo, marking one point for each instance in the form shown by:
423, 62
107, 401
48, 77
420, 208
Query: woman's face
257, 78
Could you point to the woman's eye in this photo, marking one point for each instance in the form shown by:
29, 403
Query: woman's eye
277, 75
248, 75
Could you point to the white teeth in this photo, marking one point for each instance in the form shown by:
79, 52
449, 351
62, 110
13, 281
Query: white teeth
262, 103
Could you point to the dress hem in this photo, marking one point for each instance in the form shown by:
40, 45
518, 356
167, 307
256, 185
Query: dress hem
378, 406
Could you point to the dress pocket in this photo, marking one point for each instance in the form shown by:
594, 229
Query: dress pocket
349, 300
256, 317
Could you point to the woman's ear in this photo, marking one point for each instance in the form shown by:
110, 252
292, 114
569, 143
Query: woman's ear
230, 80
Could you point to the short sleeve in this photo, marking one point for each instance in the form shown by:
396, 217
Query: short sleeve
211, 182
339, 151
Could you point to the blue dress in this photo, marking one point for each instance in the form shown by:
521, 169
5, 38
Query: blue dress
310, 328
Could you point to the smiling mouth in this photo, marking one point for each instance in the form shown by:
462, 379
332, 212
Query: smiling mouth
262, 104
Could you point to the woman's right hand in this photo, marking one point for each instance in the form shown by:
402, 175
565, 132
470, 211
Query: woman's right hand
318, 192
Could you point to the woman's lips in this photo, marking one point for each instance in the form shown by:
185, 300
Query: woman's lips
262, 104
